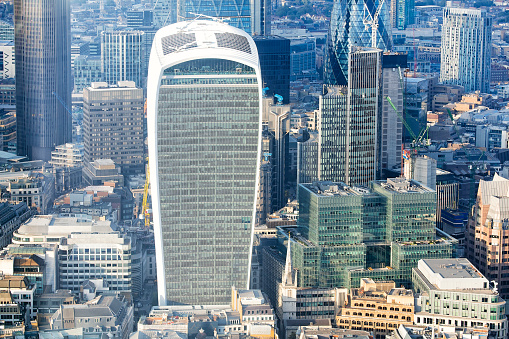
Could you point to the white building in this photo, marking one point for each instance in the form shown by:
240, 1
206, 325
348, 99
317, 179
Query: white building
466, 49
67, 155
87, 249
8, 59
454, 293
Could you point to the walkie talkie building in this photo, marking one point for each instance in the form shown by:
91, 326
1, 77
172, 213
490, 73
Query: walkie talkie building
204, 125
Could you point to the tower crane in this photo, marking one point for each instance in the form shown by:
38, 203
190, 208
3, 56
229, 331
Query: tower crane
146, 215
372, 21
62, 102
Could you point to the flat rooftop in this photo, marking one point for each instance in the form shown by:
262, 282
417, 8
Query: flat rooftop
328, 188
453, 268
402, 185
55, 225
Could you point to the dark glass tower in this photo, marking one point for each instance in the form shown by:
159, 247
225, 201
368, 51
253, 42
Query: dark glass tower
347, 29
43, 76
274, 53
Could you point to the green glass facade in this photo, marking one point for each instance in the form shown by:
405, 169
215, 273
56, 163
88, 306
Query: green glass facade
207, 141
346, 233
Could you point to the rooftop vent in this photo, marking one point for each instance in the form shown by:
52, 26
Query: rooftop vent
176, 42
233, 41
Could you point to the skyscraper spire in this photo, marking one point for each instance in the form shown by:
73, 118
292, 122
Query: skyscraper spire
289, 278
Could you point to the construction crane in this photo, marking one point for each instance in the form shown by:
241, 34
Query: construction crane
372, 21
62, 102
146, 215
452, 121
264, 91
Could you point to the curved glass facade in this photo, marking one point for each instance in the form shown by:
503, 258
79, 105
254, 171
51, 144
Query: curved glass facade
347, 29
207, 141
43, 76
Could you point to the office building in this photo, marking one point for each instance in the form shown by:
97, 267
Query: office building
276, 131
364, 237
347, 29
402, 13
6, 31
67, 155
303, 59
204, 150
253, 17
43, 76
164, 13
8, 93
12, 218
100, 171
87, 69
466, 49
417, 103
113, 125
350, 153
7, 60
139, 18
305, 303
7, 129
377, 307
81, 241
453, 293
121, 56
393, 66
487, 232
274, 53
307, 158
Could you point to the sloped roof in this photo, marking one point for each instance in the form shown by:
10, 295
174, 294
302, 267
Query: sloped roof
499, 187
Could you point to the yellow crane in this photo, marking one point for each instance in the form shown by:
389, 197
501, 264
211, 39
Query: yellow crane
146, 215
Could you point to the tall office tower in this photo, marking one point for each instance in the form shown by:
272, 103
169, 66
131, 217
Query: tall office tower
165, 13
347, 29
113, 125
251, 16
349, 122
204, 130
393, 65
139, 18
274, 53
487, 232
466, 49
402, 13
121, 56
43, 76
276, 130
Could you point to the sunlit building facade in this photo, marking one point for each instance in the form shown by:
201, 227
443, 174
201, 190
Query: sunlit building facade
466, 49
204, 126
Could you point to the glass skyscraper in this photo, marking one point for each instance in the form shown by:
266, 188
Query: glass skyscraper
347, 29
121, 56
350, 122
204, 125
43, 76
